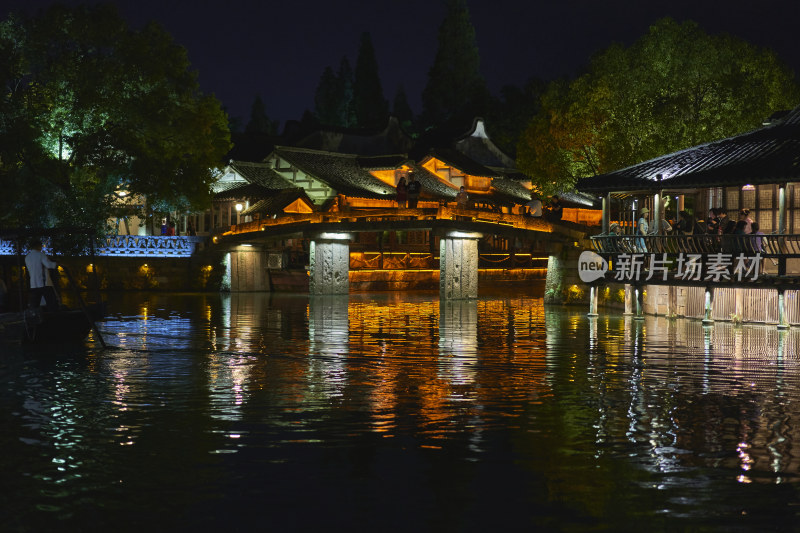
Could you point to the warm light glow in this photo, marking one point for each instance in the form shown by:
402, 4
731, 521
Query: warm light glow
748, 188
298, 206
239, 207
335, 236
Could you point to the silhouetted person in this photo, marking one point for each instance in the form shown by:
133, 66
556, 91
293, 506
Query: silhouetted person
402, 192
37, 264
554, 209
462, 198
414, 188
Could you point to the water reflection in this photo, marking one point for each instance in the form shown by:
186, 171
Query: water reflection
329, 341
327, 396
458, 341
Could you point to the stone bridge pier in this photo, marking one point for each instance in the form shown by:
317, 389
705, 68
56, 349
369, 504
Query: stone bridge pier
329, 263
458, 265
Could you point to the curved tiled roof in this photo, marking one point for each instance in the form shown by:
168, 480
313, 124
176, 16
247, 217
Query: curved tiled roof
512, 189
341, 172
767, 155
277, 201
261, 174
456, 159
250, 190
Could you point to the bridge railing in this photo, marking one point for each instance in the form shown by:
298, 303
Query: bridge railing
403, 214
770, 245
150, 246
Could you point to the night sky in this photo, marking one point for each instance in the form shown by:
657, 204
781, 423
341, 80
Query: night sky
280, 49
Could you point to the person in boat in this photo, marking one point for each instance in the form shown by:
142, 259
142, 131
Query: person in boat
38, 264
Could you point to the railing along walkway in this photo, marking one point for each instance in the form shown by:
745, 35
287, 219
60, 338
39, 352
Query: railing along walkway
398, 214
151, 246
771, 245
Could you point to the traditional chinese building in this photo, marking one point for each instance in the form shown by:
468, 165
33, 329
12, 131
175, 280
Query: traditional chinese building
758, 171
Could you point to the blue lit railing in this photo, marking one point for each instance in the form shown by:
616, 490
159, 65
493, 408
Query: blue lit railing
150, 246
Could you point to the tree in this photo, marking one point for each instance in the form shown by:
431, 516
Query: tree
674, 88
333, 100
455, 85
402, 110
509, 115
92, 109
371, 108
260, 123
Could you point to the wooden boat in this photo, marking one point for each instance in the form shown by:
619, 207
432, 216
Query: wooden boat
37, 326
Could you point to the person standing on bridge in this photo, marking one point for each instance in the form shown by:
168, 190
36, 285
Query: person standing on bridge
414, 188
642, 229
402, 192
554, 209
462, 198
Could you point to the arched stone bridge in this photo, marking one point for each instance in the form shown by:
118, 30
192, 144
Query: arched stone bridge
459, 231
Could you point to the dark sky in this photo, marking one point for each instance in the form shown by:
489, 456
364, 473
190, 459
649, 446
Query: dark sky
280, 49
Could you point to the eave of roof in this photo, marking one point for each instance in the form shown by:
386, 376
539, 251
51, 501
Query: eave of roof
767, 155
456, 159
341, 172
278, 201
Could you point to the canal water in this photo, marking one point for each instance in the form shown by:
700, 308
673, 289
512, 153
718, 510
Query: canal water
396, 412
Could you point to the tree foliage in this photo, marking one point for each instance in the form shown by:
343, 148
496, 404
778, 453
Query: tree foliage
509, 115
371, 108
91, 108
455, 85
674, 88
260, 123
333, 100
402, 110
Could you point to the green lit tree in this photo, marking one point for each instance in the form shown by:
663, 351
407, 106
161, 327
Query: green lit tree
674, 88
333, 100
455, 86
91, 109
371, 108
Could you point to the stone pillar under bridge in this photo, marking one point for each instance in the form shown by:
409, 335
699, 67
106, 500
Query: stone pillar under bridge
246, 271
458, 265
563, 283
329, 263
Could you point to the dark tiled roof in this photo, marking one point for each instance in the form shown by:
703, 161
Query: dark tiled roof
456, 159
251, 190
512, 189
432, 185
389, 140
479, 147
382, 162
767, 155
339, 171
277, 202
261, 174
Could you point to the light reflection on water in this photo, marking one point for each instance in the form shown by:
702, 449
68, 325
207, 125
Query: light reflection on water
501, 410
